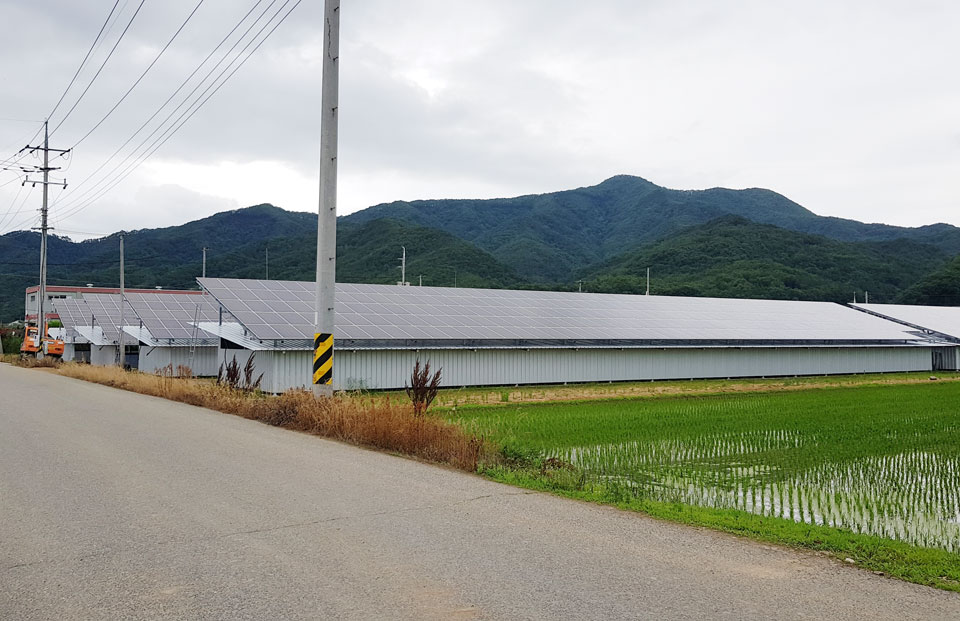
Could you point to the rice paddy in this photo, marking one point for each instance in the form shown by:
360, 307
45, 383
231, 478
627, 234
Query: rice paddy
876, 460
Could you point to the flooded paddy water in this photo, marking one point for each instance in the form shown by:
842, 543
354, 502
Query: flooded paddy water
913, 497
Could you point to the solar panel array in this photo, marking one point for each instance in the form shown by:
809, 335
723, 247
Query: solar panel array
73, 313
105, 307
171, 315
942, 319
272, 310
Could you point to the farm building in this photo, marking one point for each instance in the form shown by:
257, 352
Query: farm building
939, 322
168, 332
160, 329
501, 337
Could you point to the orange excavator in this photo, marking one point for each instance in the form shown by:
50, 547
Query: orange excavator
32, 343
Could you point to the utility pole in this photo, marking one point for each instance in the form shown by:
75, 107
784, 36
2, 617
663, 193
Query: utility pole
403, 268
421, 280
42, 293
327, 209
267, 259
122, 354
866, 297
204, 270
648, 282
580, 286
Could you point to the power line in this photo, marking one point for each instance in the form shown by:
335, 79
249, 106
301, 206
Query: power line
142, 75
102, 65
84, 61
164, 104
191, 110
111, 183
19, 209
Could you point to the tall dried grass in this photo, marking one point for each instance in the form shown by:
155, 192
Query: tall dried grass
365, 421
30, 362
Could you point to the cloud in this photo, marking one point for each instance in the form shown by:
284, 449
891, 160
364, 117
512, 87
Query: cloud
844, 107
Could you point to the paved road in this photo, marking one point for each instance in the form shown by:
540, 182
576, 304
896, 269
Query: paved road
119, 506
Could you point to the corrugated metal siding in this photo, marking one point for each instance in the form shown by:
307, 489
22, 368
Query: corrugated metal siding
204, 361
391, 368
104, 355
379, 369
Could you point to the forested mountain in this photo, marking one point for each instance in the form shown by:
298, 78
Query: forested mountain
734, 257
718, 242
939, 288
547, 237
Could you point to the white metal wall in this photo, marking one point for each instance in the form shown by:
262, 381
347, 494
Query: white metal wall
379, 369
104, 355
203, 363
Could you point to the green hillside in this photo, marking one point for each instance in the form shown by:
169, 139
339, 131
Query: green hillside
939, 288
365, 253
733, 257
548, 237
717, 242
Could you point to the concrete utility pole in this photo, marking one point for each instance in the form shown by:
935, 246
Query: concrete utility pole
267, 262
403, 268
204, 270
42, 293
121, 353
648, 282
327, 211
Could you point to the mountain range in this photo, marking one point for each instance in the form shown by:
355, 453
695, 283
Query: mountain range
716, 242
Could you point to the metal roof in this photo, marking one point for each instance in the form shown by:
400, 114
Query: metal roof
434, 316
942, 320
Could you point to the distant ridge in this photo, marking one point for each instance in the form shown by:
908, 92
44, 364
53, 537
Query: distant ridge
699, 242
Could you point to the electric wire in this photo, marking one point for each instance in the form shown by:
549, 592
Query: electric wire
163, 105
142, 75
102, 65
180, 121
106, 180
84, 61
9, 210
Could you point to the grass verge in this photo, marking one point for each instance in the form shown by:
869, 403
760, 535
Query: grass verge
866, 472
927, 566
365, 421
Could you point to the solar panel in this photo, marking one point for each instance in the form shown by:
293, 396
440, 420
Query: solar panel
105, 308
73, 312
272, 310
171, 315
942, 319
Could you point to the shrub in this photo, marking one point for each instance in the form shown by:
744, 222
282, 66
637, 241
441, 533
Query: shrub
423, 387
230, 376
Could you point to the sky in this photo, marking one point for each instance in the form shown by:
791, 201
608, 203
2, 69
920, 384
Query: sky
850, 108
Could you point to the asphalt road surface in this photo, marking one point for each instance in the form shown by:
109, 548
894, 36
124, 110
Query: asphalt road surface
119, 506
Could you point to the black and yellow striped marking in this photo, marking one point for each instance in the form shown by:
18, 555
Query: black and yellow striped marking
322, 358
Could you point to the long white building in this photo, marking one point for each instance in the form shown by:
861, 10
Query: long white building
502, 337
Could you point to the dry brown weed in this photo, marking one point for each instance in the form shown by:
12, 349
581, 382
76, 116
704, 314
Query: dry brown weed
370, 421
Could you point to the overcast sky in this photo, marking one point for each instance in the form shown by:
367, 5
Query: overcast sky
851, 109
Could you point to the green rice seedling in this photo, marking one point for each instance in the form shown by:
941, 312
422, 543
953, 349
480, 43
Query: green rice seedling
881, 460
